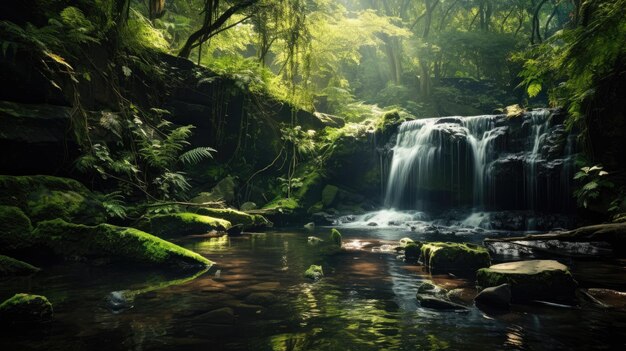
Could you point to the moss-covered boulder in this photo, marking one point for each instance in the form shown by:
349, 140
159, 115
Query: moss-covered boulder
457, 258
335, 237
11, 267
249, 221
181, 224
109, 243
412, 251
25, 308
314, 272
531, 280
46, 197
15, 229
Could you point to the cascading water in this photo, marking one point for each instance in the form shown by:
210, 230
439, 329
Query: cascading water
481, 163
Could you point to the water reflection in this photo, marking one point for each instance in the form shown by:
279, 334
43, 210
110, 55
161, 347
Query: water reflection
261, 301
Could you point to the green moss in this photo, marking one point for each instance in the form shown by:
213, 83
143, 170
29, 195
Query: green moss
314, 272
15, 229
104, 241
459, 258
10, 266
181, 224
412, 250
26, 308
47, 197
236, 217
530, 280
335, 237
282, 205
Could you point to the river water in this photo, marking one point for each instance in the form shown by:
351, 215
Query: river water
256, 298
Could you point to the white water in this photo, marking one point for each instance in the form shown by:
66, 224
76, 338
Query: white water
444, 163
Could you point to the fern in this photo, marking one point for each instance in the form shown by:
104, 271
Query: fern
196, 155
114, 205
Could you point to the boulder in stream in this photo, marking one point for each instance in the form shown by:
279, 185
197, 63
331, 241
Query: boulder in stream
26, 308
457, 258
531, 280
12, 267
495, 296
180, 224
314, 272
109, 243
249, 221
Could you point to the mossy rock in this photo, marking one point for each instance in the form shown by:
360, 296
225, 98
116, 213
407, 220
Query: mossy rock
110, 243
329, 193
335, 237
15, 229
282, 205
412, 251
314, 272
26, 308
12, 267
46, 197
457, 258
531, 280
249, 221
180, 224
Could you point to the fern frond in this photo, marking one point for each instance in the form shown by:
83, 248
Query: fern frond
196, 155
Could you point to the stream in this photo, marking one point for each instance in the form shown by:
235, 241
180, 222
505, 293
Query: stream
256, 298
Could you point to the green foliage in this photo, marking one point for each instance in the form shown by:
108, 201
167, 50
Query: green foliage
592, 182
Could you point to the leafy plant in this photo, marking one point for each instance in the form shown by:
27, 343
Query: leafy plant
592, 182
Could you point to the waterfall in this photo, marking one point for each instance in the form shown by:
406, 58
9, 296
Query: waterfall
484, 162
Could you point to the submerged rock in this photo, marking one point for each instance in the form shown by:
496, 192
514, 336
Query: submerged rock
496, 296
108, 243
47, 197
181, 224
314, 272
313, 240
11, 267
26, 308
436, 303
458, 258
531, 280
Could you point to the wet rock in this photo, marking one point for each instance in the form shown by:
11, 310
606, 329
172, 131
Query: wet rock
249, 221
322, 218
313, 240
428, 288
235, 230
458, 258
118, 301
335, 237
462, 295
314, 272
405, 241
25, 309
439, 304
261, 298
531, 280
181, 224
114, 244
372, 224
495, 296
412, 251
609, 297
309, 226
12, 267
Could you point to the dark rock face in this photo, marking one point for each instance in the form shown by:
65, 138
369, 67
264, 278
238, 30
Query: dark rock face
497, 296
491, 162
25, 309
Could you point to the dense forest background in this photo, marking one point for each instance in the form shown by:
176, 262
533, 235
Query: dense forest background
265, 66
